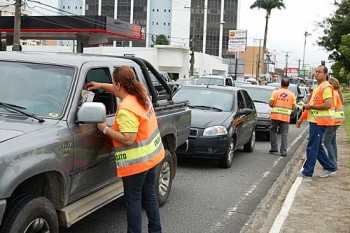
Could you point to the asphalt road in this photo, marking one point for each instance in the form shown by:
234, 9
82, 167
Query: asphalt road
204, 197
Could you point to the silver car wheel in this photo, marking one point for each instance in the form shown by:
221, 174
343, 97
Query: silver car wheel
230, 152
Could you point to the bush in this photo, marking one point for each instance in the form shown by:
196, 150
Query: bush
345, 87
346, 105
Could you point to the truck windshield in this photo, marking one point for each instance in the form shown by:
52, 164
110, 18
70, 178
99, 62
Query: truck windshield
41, 89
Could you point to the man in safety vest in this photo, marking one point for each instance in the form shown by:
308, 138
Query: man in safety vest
282, 102
320, 115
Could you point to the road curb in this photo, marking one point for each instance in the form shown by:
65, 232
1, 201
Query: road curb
264, 215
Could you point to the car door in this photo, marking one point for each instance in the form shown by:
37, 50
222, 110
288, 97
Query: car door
250, 118
240, 120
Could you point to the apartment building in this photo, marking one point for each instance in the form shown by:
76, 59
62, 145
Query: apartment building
181, 21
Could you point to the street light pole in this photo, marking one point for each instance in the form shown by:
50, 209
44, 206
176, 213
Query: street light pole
306, 34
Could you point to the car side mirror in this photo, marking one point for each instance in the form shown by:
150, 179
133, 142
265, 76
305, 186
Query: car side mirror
245, 111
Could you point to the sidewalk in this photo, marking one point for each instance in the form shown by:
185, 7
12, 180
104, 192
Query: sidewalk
297, 205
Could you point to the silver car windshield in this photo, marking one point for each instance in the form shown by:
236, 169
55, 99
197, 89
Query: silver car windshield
40, 89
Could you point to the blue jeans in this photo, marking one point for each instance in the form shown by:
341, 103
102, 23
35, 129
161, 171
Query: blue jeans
137, 189
284, 127
330, 142
315, 151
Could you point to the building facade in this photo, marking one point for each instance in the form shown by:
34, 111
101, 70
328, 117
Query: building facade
210, 12
67, 7
180, 21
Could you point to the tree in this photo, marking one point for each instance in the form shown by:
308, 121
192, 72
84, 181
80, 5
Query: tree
162, 40
267, 5
336, 39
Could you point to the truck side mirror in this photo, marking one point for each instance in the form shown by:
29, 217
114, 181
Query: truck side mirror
91, 113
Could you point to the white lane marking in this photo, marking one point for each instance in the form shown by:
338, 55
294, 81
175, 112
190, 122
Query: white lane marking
283, 214
287, 204
232, 210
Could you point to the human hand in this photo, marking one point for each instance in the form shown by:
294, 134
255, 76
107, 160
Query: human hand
92, 86
307, 106
101, 126
298, 123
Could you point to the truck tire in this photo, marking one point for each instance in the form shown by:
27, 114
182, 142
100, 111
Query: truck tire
30, 213
163, 181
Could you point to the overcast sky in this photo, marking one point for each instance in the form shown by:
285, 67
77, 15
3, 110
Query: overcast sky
286, 29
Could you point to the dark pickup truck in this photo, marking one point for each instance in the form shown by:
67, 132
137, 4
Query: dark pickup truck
55, 166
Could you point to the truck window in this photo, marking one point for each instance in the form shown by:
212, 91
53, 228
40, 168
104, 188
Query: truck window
102, 75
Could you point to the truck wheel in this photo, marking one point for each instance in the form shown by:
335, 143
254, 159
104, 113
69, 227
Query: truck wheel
163, 181
249, 146
226, 160
30, 213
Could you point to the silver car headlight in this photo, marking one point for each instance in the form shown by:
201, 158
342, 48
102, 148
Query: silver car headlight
263, 115
215, 130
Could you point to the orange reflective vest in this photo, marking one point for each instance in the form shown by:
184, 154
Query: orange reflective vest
322, 117
282, 105
147, 150
339, 112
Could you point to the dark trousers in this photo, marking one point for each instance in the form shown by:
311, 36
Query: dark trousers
137, 189
315, 151
284, 127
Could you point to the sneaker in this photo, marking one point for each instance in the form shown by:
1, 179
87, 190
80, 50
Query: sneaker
273, 151
327, 173
302, 175
283, 155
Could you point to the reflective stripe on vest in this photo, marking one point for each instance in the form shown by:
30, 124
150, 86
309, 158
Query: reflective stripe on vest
339, 117
322, 117
138, 152
281, 110
339, 112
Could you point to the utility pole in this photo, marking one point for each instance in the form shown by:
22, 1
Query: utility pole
192, 42
286, 52
17, 27
306, 34
259, 59
193, 48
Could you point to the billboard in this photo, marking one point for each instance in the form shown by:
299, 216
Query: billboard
269, 58
237, 40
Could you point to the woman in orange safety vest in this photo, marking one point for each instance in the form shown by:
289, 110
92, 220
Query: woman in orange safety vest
137, 144
330, 134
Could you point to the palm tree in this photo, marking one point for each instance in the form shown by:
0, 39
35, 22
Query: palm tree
268, 5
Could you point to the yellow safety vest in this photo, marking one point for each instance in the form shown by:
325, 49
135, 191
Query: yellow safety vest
322, 117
